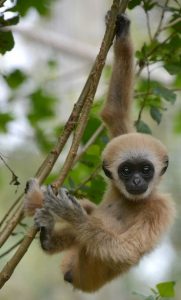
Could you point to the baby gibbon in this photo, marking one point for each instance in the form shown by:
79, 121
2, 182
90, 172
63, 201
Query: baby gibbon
103, 241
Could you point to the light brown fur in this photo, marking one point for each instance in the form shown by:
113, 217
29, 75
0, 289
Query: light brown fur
104, 241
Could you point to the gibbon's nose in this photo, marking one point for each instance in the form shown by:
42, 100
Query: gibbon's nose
136, 180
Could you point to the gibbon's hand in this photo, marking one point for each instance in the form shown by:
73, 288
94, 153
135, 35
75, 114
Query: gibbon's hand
44, 219
64, 205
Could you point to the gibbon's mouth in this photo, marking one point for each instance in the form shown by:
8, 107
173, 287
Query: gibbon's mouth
137, 191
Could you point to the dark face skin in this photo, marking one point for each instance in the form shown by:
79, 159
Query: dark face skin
136, 175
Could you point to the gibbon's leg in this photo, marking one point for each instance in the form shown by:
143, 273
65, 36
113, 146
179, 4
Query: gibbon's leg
116, 112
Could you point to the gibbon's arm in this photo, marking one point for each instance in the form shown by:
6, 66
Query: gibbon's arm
116, 112
98, 239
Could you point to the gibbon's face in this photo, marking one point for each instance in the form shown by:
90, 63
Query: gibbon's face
135, 163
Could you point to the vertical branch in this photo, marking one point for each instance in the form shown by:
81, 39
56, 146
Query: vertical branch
148, 22
158, 30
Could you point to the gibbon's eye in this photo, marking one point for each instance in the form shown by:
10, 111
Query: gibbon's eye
126, 171
146, 169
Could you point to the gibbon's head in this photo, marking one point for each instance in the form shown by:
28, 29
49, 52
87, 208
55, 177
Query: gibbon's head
135, 163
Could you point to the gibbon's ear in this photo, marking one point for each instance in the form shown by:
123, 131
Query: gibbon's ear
106, 171
166, 161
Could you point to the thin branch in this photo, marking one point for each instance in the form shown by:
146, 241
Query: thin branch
14, 180
9, 226
98, 66
170, 24
86, 180
154, 49
89, 143
159, 28
142, 94
11, 248
148, 23
178, 3
145, 97
10, 210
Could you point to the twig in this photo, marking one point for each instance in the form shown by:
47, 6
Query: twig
98, 66
142, 94
145, 97
148, 23
178, 3
89, 143
170, 24
14, 180
86, 180
151, 52
10, 210
11, 248
9, 226
159, 29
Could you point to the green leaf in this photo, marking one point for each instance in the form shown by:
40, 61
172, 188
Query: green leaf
97, 188
156, 114
15, 78
43, 105
6, 41
133, 3
142, 127
173, 68
5, 118
165, 93
166, 289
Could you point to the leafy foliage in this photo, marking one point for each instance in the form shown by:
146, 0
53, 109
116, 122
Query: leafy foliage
41, 6
19, 7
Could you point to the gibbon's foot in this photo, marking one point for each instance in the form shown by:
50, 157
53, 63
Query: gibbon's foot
63, 205
45, 222
122, 26
68, 277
